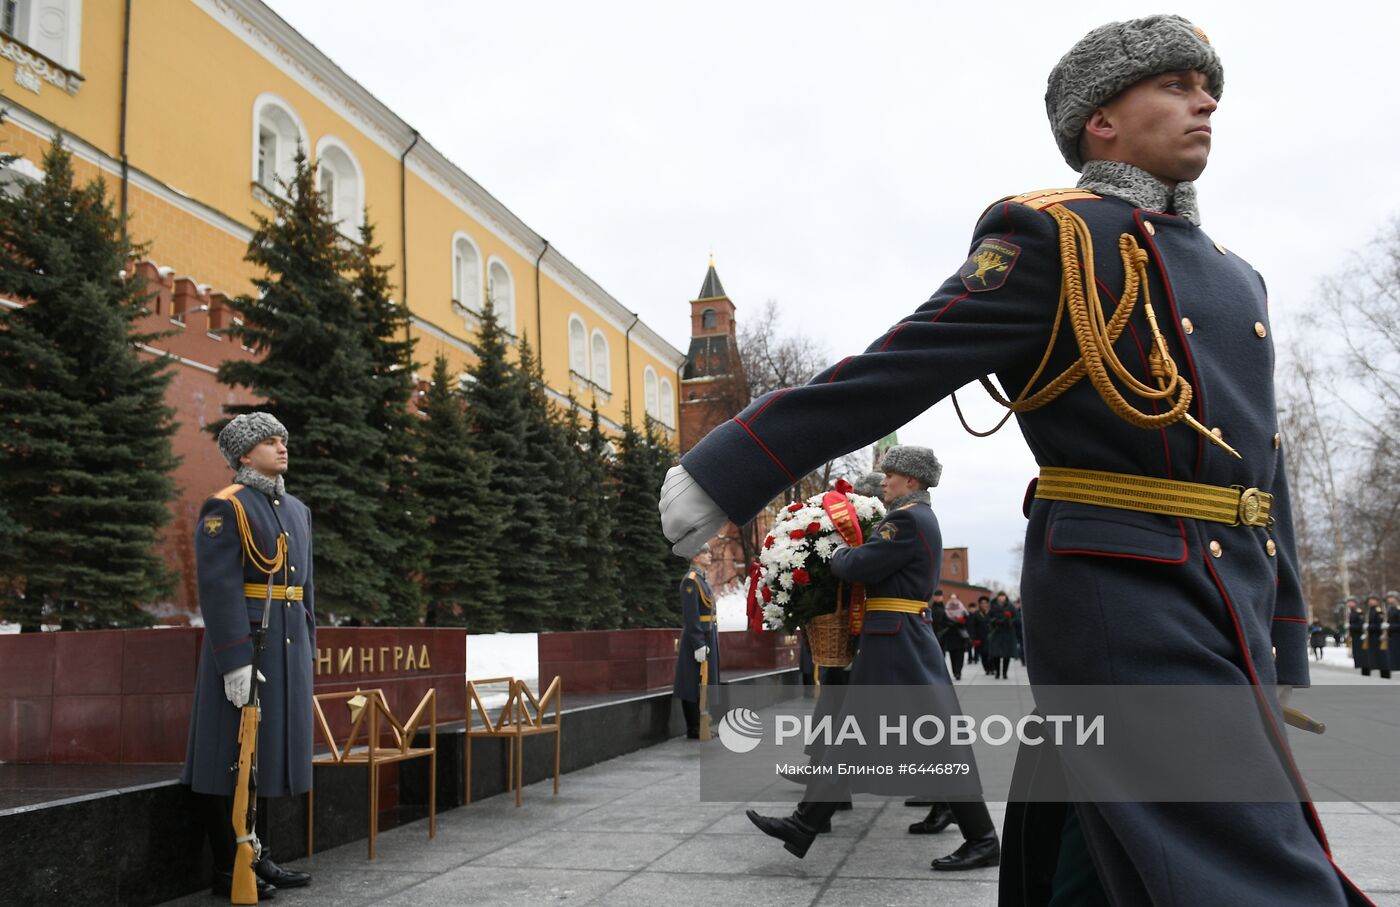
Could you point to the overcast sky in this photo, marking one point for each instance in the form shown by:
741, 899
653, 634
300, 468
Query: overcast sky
834, 157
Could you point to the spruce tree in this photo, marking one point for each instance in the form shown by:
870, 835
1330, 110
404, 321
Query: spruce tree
576, 498
546, 596
85, 455
315, 373
496, 406
648, 591
393, 460
601, 605
459, 573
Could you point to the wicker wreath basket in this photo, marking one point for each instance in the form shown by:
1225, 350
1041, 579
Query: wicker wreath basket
830, 640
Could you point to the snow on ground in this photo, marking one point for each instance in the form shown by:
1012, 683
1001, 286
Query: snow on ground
1336, 656
9, 628
732, 608
503, 655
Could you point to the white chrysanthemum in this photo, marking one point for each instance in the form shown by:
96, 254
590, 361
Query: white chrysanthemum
785, 580
826, 547
782, 598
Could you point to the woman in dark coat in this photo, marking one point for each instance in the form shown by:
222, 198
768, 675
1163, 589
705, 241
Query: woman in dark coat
952, 630
1001, 636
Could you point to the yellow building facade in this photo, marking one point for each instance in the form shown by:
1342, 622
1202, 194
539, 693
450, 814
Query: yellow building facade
193, 109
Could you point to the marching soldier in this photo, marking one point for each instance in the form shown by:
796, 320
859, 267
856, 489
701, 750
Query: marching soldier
699, 643
1162, 479
899, 565
252, 552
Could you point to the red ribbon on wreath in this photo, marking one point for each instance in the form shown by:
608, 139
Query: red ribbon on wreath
843, 517
753, 609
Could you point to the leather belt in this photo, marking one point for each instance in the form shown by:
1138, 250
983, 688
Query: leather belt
901, 605
1234, 505
279, 593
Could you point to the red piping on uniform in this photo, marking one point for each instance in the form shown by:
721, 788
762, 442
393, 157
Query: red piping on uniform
836, 371
230, 645
1050, 546
765, 449
929, 548
1288, 754
1147, 370
771, 401
895, 333
943, 311
1296, 620
1199, 398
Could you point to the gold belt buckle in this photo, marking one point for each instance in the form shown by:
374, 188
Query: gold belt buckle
1251, 505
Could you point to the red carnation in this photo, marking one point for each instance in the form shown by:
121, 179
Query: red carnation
767, 594
801, 577
768, 542
797, 534
814, 528
794, 507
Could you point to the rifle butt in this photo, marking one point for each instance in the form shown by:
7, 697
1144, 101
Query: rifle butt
245, 882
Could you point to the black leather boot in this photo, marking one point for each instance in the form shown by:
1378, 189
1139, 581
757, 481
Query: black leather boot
691, 711
223, 886
938, 818
273, 874
799, 830
980, 846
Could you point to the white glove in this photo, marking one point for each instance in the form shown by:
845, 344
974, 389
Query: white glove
689, 516
238, 685
702, 653
1285, 693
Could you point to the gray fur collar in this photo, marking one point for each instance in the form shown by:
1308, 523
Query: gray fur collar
913, 497
1135, 185
256, 480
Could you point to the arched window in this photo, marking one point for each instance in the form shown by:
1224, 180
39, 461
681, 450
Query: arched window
602, 362
466, 273
668, 404
707, 319
342, 184
500, 289
578, 346
277, 132
649, 387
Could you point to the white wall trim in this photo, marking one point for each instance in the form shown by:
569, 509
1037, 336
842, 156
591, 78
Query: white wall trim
480, 294
357, 217
261, 103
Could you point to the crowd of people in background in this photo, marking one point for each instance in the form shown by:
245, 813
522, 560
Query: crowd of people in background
988, 634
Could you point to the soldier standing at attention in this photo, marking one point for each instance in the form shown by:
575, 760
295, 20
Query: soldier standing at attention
1375, 654
1356, 626
250, 536
699, 641
1137, 354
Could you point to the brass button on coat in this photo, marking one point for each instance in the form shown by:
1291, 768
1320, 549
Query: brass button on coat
1277, 440
1219, 248
1215, 549
293, 568
1151, 230
1270, 547
1187, 326
276, 503
1260, 329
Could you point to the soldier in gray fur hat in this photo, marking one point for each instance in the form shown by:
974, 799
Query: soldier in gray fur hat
1218, 598
253, 556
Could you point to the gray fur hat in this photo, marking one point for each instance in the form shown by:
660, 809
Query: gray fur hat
243, 432
914, 462
869, 484
1114, 56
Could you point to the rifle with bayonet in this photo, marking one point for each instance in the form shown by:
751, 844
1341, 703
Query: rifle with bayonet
245, 792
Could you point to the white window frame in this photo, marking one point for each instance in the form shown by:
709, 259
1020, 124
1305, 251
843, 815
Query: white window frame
265, 106
347, 208
579, 348
65, 46
649, 393
601, 374
468, 299
505, 313
666, 403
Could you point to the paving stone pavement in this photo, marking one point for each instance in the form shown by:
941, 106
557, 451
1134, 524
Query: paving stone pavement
633, 831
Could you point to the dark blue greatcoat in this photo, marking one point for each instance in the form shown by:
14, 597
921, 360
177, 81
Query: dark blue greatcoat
230, 618
1392, 617
1373, 657
901, 559
1109, 596
1356, 631
696, 601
